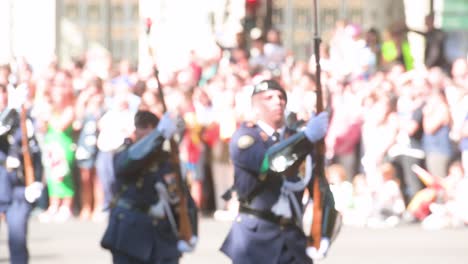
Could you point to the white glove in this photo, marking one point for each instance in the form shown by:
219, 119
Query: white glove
321, 253
317, 127
162, 207
157, 210
18, 96
33, 191
167, 125
183, 246
12, 163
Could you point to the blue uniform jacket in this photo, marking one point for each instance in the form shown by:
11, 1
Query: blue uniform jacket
131, 230
12, 180
253, 240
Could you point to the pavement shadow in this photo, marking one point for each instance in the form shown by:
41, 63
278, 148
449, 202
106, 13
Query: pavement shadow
35, 257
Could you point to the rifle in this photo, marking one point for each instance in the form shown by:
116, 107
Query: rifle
27, 161
185, 231
319, 169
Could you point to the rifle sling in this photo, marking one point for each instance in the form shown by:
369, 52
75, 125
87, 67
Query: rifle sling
267, 215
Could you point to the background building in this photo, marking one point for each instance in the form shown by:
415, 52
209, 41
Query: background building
39, 30
295, 18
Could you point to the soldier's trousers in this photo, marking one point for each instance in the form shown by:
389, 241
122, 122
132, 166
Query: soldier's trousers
17, 216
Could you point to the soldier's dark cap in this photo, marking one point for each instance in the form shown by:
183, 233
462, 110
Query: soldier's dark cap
266, 85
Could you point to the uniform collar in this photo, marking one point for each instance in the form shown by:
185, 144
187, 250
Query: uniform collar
268, 129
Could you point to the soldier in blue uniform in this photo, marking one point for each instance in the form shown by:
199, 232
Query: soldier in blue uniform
15, 198
266, 156
143, 224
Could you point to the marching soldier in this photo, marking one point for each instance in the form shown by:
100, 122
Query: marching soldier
266, 156
143, 224
17, 192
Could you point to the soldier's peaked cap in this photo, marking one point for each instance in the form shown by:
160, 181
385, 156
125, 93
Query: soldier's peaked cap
266, 85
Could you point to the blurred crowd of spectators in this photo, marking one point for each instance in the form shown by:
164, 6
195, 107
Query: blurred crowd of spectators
396, 148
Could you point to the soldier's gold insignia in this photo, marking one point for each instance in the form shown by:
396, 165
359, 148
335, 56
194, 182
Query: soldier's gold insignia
262, 177
139, 183
245, 141
153, 167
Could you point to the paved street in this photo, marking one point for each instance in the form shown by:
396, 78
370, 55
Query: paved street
78, 242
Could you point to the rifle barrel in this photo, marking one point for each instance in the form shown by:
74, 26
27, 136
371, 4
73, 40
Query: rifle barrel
185, 228
316, 228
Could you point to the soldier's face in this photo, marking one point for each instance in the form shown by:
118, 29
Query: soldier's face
270, 106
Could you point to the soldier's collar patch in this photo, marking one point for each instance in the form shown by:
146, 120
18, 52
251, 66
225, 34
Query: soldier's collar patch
245, 141
264, 136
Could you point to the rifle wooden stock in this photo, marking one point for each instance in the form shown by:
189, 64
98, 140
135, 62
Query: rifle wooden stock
27, 161
185, 228
319, 169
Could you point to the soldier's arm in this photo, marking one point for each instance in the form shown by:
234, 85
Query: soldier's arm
247, 150
250, 154
131, 159
285, 154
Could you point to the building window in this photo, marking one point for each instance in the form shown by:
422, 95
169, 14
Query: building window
113, 25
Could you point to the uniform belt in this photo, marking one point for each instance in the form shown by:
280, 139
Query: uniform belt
131, 205
267, 215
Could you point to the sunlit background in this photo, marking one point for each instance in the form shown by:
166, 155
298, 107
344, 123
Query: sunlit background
39, 30
108, 31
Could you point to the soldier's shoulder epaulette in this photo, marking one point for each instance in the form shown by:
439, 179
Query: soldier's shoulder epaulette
246, 126
258, 132
245, 136
250, 124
